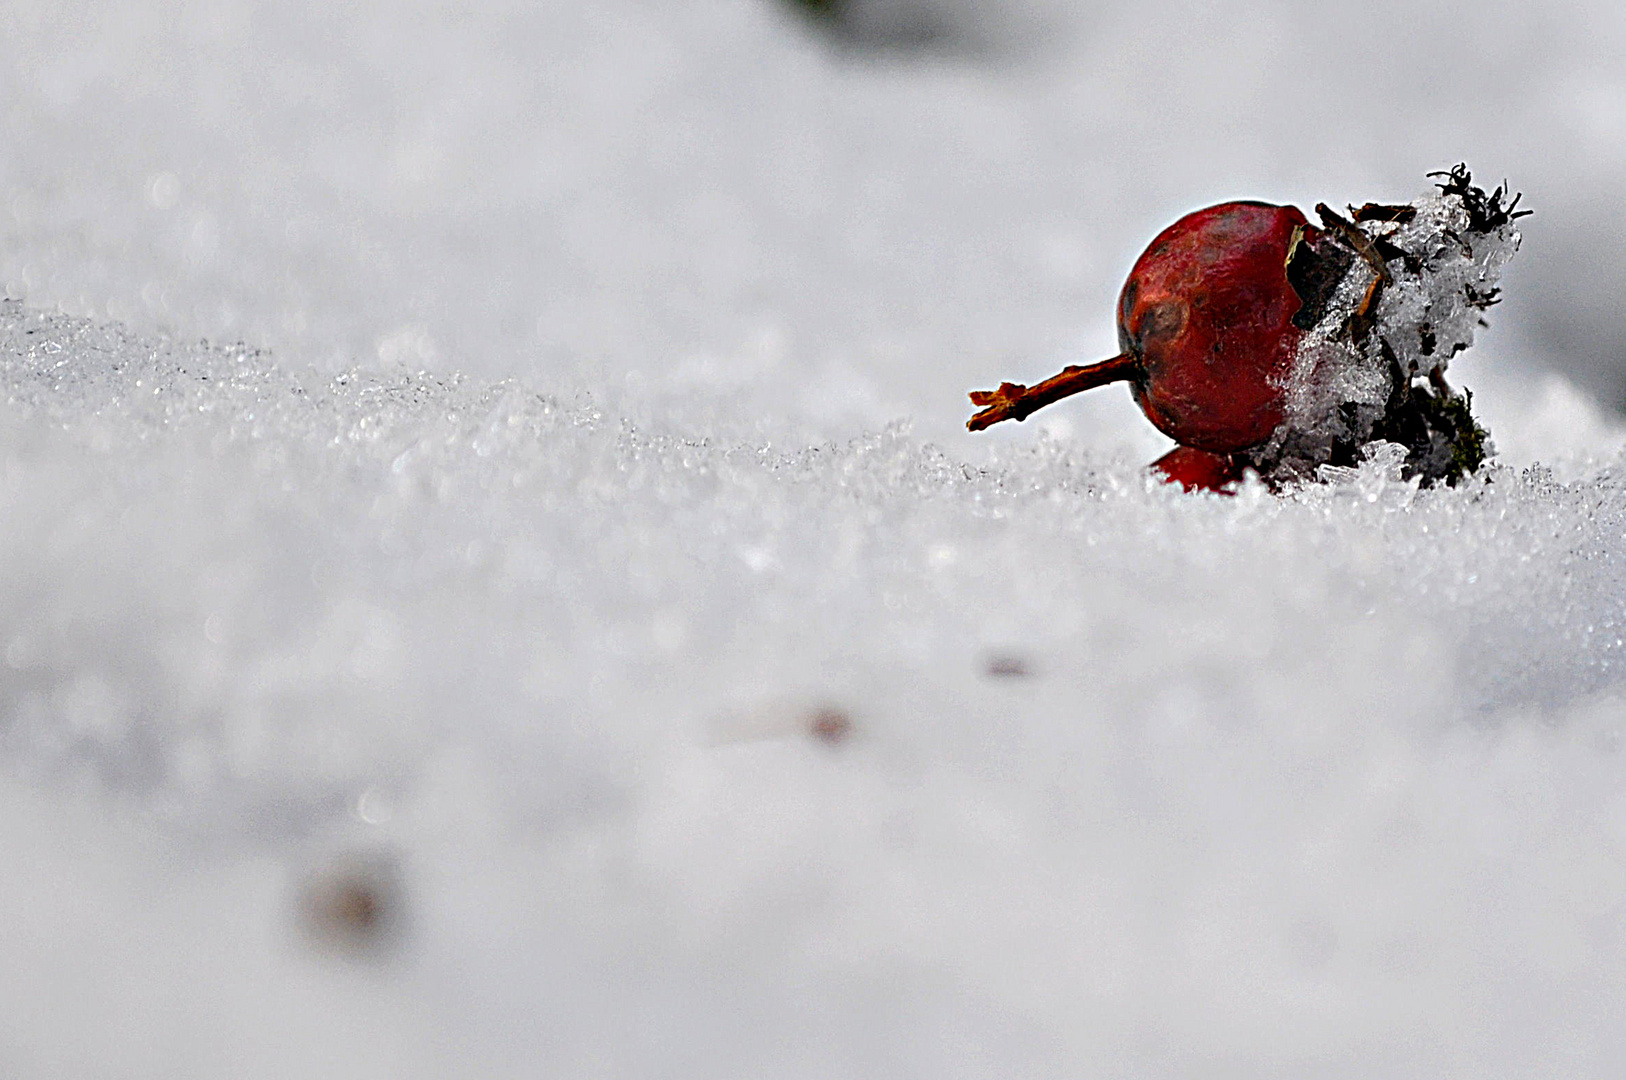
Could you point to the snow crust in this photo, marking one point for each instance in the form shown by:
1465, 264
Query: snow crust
433, 686
1324, 782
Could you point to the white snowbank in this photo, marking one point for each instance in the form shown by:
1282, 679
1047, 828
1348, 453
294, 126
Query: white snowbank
1325, 783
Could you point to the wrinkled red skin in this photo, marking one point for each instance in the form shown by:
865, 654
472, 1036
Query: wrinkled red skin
1205, 325
1207, 312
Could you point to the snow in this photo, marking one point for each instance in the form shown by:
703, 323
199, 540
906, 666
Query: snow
1437, 305
443, 680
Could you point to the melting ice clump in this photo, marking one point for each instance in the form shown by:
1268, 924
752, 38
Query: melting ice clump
1390, 298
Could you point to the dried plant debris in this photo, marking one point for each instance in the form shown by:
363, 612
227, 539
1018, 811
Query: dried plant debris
1486, 213
830, 725
354, 903
1379, 212
1007, 666
1390, 295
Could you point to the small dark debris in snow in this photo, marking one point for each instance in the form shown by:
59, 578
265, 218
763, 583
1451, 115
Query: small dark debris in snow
1006, 666
830, 725
354, 904
893, 26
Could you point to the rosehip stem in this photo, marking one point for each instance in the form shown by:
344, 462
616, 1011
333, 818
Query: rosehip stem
1013, 401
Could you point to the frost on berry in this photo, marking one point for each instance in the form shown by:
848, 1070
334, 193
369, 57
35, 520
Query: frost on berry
1391, 294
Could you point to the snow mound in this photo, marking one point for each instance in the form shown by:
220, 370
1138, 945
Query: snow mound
668, 752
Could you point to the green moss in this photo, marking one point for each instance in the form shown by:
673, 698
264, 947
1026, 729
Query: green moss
1470, 443
1443, 441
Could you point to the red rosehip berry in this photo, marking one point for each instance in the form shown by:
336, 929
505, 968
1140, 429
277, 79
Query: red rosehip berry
1256, 340
1207, 314
1205, 323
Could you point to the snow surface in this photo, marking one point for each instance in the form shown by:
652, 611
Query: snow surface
429, 687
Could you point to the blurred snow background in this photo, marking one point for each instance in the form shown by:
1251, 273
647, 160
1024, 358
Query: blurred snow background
422, 679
